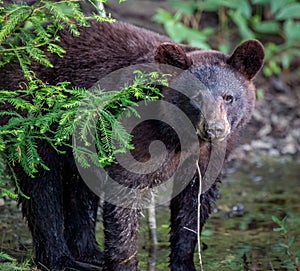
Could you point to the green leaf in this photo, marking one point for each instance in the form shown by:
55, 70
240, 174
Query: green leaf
279, 4
285, 227
286, 60
6, 257
291, 240
162, 16
274, 66
176, 31
242, 24
277, 229
291, 30
267, 27
289, 12
242, 6
14, 19
284, 245
187, 7
39, 56
209, 5
198, 38
295, 52
276, 220
224, 47
260, 94
270, 49
8, 193
54, 48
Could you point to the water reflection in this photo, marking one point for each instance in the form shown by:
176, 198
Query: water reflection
238, 236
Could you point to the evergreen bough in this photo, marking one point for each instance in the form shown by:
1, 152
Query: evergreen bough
40, 111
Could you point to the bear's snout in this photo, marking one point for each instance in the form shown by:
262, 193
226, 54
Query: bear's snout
216, 131
213, 125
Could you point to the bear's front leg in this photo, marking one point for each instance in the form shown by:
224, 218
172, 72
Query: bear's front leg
120, 231
44, 212
184, 213
80, 210
183, 238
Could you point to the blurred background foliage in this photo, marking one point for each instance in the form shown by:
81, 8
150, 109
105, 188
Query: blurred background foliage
275, 23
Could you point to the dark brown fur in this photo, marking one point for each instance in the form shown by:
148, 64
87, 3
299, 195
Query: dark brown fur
61, 211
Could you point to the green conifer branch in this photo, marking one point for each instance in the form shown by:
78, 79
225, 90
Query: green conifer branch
40, 111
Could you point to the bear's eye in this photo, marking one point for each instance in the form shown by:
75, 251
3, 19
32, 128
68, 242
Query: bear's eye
228, 98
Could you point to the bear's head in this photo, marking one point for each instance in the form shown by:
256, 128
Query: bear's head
225, 100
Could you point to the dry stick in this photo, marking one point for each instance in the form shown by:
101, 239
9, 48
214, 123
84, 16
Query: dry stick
199, 217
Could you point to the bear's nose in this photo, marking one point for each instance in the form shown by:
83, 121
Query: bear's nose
215, 131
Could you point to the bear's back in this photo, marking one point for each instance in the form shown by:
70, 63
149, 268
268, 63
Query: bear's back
100, 49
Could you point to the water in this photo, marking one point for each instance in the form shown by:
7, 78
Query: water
244, 239
265, 188
237, 240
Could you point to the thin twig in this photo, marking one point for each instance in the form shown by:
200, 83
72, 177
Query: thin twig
153, 233
152, 221
290, 253
186, 228
271, 265
199, 217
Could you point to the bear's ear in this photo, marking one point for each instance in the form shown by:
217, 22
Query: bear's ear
172, 54
248, 58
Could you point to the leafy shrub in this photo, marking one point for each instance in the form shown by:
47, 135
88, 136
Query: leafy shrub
11, 264
288, 241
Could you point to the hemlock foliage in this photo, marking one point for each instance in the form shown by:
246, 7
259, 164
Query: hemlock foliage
40, 111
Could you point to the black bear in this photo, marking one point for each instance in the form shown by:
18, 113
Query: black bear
61, 211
